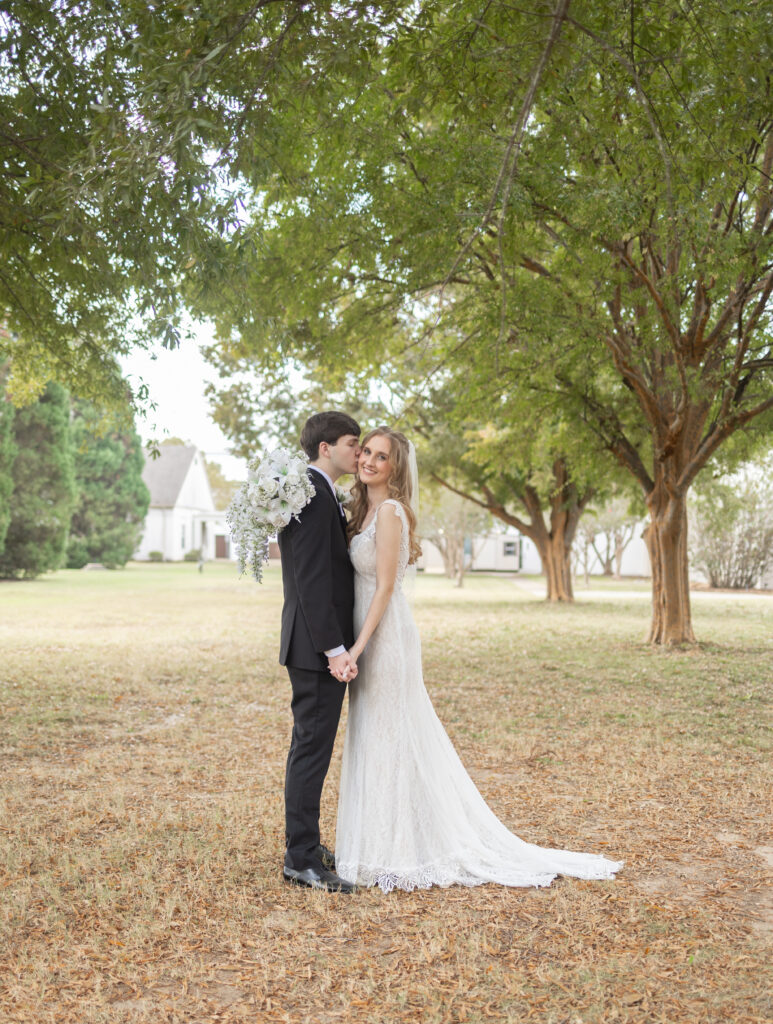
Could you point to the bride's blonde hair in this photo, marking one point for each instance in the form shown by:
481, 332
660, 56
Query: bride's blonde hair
399, 486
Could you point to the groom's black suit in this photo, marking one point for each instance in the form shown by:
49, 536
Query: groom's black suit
318, 582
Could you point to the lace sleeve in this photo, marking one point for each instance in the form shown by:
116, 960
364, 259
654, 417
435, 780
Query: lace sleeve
398, 510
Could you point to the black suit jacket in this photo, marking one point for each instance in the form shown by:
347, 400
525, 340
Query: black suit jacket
318, 582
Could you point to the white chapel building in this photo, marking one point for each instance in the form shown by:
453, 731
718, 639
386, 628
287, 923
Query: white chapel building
182, 516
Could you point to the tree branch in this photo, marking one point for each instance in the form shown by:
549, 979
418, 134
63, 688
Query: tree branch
509, 165
491, 505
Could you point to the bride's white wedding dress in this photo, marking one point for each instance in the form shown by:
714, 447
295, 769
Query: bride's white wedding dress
409, 815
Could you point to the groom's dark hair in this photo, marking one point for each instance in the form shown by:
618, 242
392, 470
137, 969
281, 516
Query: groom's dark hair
327, 427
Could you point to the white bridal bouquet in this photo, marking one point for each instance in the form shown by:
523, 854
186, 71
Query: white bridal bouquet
277, 489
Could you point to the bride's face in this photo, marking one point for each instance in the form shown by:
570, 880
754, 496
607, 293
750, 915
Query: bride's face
374, 467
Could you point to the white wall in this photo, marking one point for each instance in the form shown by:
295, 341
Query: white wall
195, 493
164, 532
497, 551
490, 556
636, 558
154, 535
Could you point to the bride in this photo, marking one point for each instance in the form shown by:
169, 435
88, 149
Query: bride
409, 815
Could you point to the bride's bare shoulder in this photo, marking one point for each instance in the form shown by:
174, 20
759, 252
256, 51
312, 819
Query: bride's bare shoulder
395, 507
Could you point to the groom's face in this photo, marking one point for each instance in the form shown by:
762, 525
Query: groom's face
344, 454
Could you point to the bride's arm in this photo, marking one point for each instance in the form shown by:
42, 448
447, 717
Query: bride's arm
388, 530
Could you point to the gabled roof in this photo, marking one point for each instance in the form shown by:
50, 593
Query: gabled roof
165, 475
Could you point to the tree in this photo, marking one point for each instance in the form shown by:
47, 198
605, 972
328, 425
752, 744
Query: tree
583, 202
451, 523
256, 415
43, 487
110, 138
222, 489
615, 529
732, 527
519, 475
582, 551
7, 457
112, 500
603, 537
549, 513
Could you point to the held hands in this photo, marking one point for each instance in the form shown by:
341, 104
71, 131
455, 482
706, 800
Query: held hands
343, 667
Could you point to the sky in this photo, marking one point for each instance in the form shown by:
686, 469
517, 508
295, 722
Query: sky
176, 381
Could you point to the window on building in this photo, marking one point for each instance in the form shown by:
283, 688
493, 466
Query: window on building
182, 537
510, 548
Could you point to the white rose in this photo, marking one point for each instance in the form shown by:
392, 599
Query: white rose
273, 485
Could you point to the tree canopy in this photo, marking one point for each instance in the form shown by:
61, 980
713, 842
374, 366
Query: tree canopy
43, 494
112, 501
571, 201
108, 180
7, 458
575, 202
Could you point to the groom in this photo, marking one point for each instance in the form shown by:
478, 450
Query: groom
317, 630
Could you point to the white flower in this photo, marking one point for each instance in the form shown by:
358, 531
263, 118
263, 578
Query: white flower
268, 486
277, 489
344, 496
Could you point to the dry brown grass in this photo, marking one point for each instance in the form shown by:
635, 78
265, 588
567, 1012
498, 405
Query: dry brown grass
145, 723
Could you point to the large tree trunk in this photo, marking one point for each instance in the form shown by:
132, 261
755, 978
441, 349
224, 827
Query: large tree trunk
555, 556
666, 538
553, 541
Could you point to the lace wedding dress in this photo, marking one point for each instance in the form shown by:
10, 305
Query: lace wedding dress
409, 815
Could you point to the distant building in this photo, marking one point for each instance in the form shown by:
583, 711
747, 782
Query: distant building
506, 550
496, 551
182, 516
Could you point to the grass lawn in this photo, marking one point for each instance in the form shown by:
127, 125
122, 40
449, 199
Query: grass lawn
145, 723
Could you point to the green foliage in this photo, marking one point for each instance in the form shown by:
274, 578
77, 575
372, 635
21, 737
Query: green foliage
434, 203
194, 555
155, 556
43, 487
271, 411
222, 489
607, 530
7, 457
112, 499
450, 522
108, 180
619, 276
731, 537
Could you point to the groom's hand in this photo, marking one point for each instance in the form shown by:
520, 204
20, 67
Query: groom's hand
343, 667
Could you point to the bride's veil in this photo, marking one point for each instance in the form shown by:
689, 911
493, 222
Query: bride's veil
409, 580
413, 471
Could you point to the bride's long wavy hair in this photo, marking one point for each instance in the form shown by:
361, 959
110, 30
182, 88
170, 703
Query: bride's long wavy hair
398, 486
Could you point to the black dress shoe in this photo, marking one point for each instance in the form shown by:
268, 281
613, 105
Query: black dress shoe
318, 878
327, 857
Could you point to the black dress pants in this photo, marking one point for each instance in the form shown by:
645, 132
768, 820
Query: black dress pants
316, 707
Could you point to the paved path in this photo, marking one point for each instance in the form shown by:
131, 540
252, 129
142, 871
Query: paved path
538, 589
